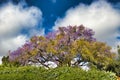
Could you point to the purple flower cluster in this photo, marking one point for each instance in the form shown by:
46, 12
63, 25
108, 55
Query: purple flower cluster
72, 33
51, 35
13, 55
21, 50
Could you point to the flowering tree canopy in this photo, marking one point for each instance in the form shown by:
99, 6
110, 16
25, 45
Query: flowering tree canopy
61, 46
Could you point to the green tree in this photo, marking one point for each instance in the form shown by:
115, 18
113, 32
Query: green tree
5, 60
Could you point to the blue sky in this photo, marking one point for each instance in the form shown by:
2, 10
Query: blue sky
21, 19
52, 9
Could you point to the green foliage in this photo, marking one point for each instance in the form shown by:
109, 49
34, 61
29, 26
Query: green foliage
5, 60
61, 73
6, 63
97, 53
114, 67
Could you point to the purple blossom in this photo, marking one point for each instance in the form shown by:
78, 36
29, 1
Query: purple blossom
21, 50
27, 46
13, 55
51, 35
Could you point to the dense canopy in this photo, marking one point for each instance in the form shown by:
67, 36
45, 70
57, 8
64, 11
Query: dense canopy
62, 46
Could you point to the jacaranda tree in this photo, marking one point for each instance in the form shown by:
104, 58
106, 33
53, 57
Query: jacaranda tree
61, 46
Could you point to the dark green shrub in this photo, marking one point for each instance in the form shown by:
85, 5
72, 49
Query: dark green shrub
114, 67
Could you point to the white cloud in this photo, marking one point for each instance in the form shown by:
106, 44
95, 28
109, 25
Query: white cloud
99, 16
115, 49
39, 32
0, 60
11, 43
13, 19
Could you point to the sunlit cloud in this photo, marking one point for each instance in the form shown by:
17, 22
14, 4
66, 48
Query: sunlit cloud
100, 16
14, 19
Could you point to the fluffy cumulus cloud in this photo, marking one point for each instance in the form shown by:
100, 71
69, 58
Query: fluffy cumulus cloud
100, 16
11, 43
14, 19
